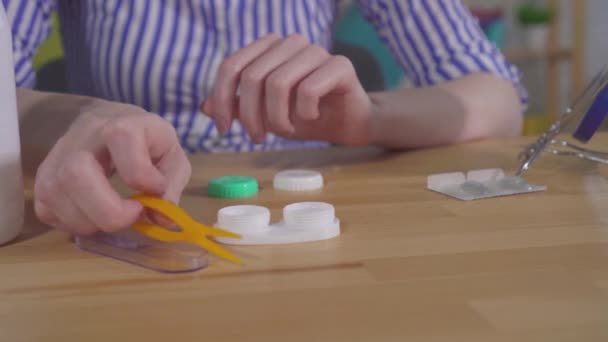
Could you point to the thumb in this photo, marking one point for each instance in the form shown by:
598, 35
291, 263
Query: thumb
177, 170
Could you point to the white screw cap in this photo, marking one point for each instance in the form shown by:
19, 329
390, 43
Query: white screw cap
298, 180
244, 219
302, 222
309, 214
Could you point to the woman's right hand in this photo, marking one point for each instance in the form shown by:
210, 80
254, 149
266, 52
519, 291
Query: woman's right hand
72, 190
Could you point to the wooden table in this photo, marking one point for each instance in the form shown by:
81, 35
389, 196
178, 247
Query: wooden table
410, 264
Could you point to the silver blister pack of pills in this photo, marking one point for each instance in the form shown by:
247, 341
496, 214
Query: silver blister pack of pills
479, 184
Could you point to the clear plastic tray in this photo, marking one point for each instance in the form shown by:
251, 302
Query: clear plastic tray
134, 248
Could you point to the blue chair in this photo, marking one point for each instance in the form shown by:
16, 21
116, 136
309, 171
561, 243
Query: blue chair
357, 39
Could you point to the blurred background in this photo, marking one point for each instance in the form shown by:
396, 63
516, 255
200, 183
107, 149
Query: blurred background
557, 44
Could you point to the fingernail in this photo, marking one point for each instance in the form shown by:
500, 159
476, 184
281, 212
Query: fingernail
259, 137
172, 196
217, 121
224, 124
219, 127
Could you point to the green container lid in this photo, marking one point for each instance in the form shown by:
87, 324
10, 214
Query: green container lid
232, 187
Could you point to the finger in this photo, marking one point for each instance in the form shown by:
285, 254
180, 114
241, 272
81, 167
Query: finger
252, 83
70, 217
44, 214
177, 170
46, 187
72, 141
134, 148
83, 180
337, 75
220, 104
47, 169
279, 85
207, 109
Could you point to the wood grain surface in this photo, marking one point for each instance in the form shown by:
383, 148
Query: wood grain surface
410, 265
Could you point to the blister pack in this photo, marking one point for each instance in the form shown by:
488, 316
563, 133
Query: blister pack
478, 184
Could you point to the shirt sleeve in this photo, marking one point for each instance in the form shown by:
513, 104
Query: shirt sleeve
437, 41
31, 25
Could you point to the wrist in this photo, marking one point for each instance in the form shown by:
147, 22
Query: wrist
97, 112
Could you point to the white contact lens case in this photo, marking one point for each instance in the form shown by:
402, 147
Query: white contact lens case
302, 222
478, 184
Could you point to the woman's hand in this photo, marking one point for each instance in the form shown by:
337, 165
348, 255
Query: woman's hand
72, 190
293, 89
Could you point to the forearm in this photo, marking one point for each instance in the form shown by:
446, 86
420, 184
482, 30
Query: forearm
43, 118
474, 107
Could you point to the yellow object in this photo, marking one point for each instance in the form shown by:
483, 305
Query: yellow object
536, 124
191, 231
52, 48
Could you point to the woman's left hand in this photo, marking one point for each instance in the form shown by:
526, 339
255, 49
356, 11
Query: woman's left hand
291, 88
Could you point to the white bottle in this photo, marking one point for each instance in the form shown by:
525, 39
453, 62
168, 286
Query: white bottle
11, 179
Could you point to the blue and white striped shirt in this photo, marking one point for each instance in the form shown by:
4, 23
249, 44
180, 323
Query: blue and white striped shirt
163, 55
